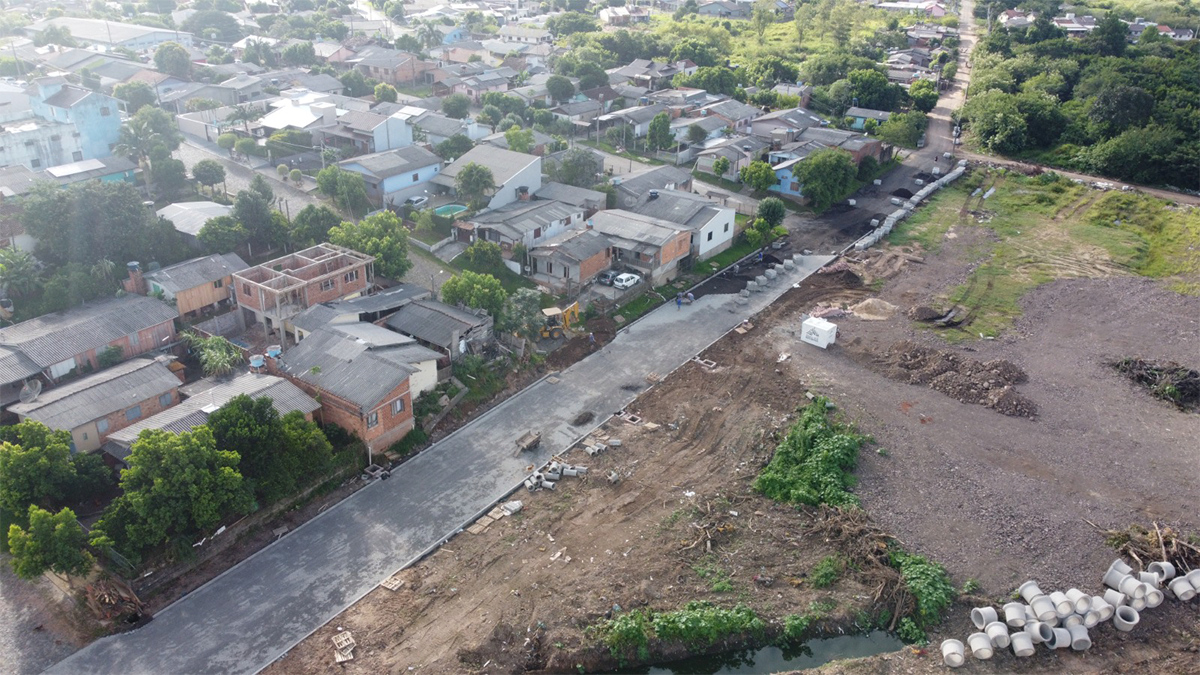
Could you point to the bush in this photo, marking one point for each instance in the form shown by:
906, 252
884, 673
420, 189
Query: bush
812, 464
411, 441
928, 582
827, 571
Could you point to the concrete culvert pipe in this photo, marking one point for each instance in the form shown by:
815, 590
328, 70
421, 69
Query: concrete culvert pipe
1113, 578
1154, 598
1138, 604
1043, 609
981, 646
1062, 604
1150, 579
1164, 570
1131, 587
1101, 606
1022, 644
982, 616
952, 653
1072, 620
1115, 598
1120, 566
1081, 600
1193, 578
1182, 589
1029, 590
1126, 618
1014, 614
1091, 619
1039, 632
1079, 638
1061, 639
998, 633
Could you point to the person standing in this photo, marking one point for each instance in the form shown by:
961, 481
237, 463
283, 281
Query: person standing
679, 301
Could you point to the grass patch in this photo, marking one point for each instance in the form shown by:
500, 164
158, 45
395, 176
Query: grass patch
708, 569
813, 463
927, 227
439, 232
612, 150
482, 381
931, 589
827, 571
698, 625
639, 306
740, 249
713, 179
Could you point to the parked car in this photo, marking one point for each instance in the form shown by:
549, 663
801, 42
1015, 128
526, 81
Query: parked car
625, 281
417, 202
606, 277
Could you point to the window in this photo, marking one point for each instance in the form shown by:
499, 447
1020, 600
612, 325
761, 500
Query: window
397, 406
77, 155
218, 283
710, 236
537, 232
726, 227
28, 144
352, 275
85, 436
245, 289
327, 285
415, 177
35, 163
133, 413
105, 112
165, 400
372, 420
75, 134
549, 267
101, 426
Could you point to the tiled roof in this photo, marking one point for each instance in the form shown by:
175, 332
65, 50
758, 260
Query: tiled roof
100, 394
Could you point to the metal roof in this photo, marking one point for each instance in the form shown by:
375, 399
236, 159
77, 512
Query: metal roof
197, 272
880, 115
67, 97
654, 178
56, 337
435, 322
574, 245
15, 366
569, 194
371, 335
634, 227
190, 217
504, 164
346, 367
394, 162
100, 394
679, 207
519, 218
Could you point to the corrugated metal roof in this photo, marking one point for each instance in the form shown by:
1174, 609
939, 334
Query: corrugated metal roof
371, 335
519, 218
54, 338
434, 322
16, 366
197, 272
345, 367
95, 396
394, 162
190, 217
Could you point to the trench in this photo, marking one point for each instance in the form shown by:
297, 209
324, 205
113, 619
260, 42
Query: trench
772, 659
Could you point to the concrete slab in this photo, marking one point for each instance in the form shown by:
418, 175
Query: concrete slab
246, 618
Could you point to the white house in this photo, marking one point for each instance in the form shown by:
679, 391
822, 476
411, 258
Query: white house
712, 226
515, 174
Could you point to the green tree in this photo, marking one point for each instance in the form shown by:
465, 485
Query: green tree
1144, 155
346, 188
135, 94
53, 541
253, 429
300, 54
35, 466
867, 168
696, 134
873, 90
996, 122
217, 355
569, 23
170, 176
19, 274
248, 147
381, 235
762, 16
150, 135
560, 88
312, 225
455, 146
485, 254
208, 172
54, 35
172, 58
356, 84
772, 211
474, 183
759, 176
385, 92
903, 129
658, 136
227, 141
519, 140
176, 486
456, 106
481, 291
760, 232
214, 24
222, 234
578, 166
522, 314
1108, 38
924, 95
256, 217
826, 176
697, 51
297, 177
1117, 107
721, 166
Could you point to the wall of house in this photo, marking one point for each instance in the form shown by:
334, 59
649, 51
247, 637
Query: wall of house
97, 120
88, 438
391, 427
408, 184
715, 236
425, 379
529, 177
787, 183
202, 297
42, 147
588, 269
392, 134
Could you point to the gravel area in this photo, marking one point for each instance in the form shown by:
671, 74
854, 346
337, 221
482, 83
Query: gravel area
34, 632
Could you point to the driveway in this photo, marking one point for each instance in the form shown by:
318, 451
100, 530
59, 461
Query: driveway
246, 618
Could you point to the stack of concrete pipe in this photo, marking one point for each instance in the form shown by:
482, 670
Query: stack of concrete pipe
553, 472
871, 238
1059, 620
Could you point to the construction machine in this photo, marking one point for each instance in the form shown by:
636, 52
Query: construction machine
559, 320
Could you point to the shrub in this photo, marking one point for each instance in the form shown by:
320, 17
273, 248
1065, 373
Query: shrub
812, 464
928, 582
827, 571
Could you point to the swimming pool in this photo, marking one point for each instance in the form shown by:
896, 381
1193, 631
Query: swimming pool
449, 210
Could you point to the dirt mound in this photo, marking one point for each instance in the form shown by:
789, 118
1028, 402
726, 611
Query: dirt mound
923, 313
989, 384
874, 309
583, 418
1168, 381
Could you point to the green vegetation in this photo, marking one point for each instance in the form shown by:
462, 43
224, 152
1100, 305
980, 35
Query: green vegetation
708, 569
827, 571
381, 235
812, 464
698, 625
931, 589
713, 179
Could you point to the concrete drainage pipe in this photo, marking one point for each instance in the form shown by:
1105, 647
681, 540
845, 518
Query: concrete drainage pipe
1154, 598
1039, 632
1126, 618
1014, 614
1043, 609
1182, 589
1079, 638
1164, 570
1029, 590
981, 646
952, 653
1061, 639
1062, 604
1131, 587
1022, 644
1082, 601
998, 633
982, 616
1072, 620
1102, 606
1115, 598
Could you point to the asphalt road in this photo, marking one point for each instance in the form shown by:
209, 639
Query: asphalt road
246, 618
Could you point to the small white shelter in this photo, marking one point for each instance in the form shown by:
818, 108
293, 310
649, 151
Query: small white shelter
818, 331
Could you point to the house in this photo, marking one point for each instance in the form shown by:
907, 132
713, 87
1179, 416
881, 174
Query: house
204, 397
115, 169
395, 175
1076, 26
367, 132
515, 175
525, 34
738, 114
926, 34
1016, 18
365, 308
784, 161
451, 34
683, 100
712, 226
54, 345
570, 260
112, 34
919, 57
578, 111
92, 407
652, 74
192, 285
540, 141
275, 291
189, 218
714, 127
452, 331
65, 124
590, 201
930, 8
776, 125
741, 151
332, 52
390, 65
652, 246
637, 117
623, 16
861, 115
527, 223
638, 184
801, 91
438, 127
726, 9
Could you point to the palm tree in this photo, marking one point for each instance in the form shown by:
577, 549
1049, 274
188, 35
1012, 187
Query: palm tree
429, 35
19, 274
244, 115
103, 270
138, 139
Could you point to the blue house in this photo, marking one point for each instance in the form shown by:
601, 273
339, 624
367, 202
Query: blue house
395, 175
787, 182
452, 34
95, 116
861, 115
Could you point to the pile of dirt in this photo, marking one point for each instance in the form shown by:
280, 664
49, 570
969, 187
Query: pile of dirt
874, 309
1168, 381
990, 384
924, 313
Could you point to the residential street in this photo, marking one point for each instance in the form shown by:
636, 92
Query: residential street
251, 615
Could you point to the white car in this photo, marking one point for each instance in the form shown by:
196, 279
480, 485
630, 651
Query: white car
624, 281
417, 202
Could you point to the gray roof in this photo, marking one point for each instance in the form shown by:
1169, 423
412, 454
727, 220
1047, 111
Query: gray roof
67, 96
639, 183
640, 233
674, 206
208, 395
519, 218
394, 162
197, 272
440, 125
190, 217
636, 114
574, 245
500, 140
360, 121
734, 110
56, 337
504, 164
569, 194
435, 322
377, 303
348, 367
15, 366
880, 115
709, 124
100, 394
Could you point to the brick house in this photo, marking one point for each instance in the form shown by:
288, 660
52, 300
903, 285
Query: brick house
652, 246
275, 291
54, 345
570, 260
95, 406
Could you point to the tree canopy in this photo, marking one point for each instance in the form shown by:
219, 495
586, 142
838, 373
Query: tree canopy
481, 291
346, 188
474, 183
53, 541
826, 176
135, 94
381, 235
456, 106
172, 58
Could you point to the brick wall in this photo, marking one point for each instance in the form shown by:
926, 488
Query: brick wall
148, 339
88, 437
595, 265
336, 410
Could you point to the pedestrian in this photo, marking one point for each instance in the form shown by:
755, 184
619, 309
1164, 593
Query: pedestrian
760, 257
679, 301
691, 298
592, 340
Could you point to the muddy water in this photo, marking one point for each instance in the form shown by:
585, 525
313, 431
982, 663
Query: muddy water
773, 659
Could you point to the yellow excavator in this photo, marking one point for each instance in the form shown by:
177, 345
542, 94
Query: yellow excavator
559, 320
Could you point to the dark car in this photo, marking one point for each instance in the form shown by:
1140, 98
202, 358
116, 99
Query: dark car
606, 277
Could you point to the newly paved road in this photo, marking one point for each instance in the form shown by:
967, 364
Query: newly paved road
246, 618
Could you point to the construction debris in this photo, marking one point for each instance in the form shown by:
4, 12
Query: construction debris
990, 383
111, 598
393, 583
343, 647
1168, 381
